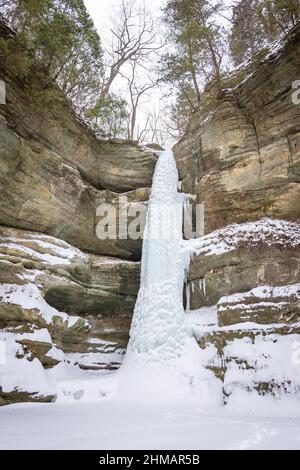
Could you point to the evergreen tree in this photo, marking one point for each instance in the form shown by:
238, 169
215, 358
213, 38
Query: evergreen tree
198, 42
110, 117
256, 23
64, 41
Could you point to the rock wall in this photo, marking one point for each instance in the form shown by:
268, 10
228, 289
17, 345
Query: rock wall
40, 192
240, 157
54, 173
36, 110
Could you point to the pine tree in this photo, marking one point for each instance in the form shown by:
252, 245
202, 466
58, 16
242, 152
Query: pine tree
256, 23
63, 40
198, 41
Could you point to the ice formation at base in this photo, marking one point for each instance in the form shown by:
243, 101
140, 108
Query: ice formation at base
163, 358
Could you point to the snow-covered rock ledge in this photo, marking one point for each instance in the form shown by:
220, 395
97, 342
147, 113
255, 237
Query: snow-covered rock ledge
243, 300
264, 304
266, 232
241, 257
70, 280
250, 355
30, 340
48, 288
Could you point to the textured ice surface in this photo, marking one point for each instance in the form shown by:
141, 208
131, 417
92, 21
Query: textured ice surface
163, 360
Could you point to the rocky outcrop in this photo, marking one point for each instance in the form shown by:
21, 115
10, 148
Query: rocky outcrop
39, 192
44, 282
243, 291
70, 280
252, 357
241, 257
241, 157
55, 173
37, 111
262, 305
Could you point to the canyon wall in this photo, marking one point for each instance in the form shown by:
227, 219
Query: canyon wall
240, 158
54, 174
66, 297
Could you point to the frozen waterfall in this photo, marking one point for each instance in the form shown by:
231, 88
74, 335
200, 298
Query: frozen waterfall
163, 360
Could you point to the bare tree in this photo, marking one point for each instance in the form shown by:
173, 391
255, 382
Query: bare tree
154, 130
138, 87
133, 39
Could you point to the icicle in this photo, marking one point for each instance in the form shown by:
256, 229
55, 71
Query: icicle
204, 286
188, 296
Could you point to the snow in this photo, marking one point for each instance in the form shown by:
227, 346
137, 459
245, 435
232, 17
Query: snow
108, 260
250, 66
46, 258
202, 317
268, 359
108, 425
104, 357
263, 292
162, 361
29, 297
58, 252
269, 232
56, 354
30, 274
19, 374
41, 335
72, 320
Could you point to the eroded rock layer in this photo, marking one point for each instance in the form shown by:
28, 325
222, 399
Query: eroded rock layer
67, 296
241, 158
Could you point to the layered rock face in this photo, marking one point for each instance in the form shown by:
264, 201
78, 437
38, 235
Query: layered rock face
243, 296
40, 192
70, 280
66, 296
118, 166
55, 173
241, 160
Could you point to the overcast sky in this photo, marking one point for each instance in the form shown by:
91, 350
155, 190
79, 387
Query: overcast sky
100, 9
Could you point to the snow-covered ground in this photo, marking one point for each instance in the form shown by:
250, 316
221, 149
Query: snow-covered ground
114, 425
165, 395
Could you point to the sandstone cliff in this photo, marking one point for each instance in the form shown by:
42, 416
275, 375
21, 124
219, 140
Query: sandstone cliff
54, 173
240, 158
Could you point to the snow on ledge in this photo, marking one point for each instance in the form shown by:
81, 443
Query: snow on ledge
263, 292
264, 232
29, 297
48, 250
